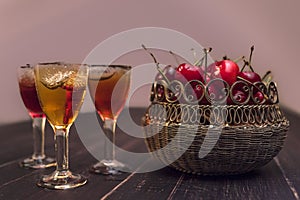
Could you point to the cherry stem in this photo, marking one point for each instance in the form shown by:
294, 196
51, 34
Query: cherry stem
239, 59
198, 62
206, 51
266, 76
175, 57
246, 63
225, 57
194, 54
157, 64
249, 62
251, 52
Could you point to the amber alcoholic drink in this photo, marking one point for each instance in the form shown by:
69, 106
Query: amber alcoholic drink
109, 90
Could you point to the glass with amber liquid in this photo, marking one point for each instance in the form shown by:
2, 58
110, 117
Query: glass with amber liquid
61, 88
28, 93
109, 87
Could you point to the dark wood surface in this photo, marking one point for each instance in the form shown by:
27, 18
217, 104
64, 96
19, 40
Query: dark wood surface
280, 179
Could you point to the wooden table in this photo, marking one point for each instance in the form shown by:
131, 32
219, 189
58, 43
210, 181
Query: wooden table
280, 179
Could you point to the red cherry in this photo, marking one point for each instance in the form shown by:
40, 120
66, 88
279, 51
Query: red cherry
258, 97
186, 72
217, 91
250, 76
194, 92
160, 92
198, 90
162, 97
169, 71
225, 69
239, 96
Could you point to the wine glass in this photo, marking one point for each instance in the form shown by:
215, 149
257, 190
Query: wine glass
28, 93
109, 86
61, 88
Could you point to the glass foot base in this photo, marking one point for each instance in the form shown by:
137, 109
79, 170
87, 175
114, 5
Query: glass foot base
38, 163
109, 167
62, 180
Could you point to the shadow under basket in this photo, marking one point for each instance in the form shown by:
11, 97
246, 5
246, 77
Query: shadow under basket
214, 140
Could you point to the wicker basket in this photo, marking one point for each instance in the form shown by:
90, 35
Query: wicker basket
215, 139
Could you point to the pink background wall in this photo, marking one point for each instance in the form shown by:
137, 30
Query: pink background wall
33, 31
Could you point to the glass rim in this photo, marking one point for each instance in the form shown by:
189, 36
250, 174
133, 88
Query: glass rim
50, 63
60, 63
27, 66
112, 65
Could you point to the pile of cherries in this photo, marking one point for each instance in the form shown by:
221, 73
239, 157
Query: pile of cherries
221, 81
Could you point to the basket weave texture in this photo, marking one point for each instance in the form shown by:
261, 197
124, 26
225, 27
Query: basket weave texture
214, 140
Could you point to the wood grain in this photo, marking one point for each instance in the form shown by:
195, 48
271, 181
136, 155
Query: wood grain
280, 179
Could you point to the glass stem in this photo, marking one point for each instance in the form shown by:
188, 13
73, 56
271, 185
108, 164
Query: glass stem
62, 150
38, 125
109, 130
